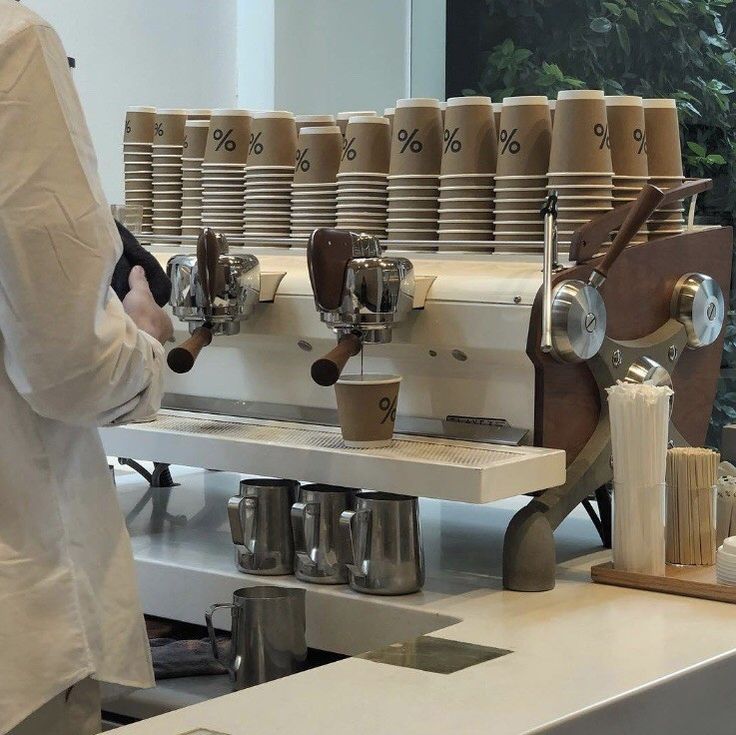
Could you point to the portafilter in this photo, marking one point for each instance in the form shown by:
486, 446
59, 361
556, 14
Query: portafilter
213, 291
359, 293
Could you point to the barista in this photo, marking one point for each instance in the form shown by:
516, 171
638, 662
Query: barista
72, 358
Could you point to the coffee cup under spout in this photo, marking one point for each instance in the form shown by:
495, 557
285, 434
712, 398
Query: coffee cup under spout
213, 291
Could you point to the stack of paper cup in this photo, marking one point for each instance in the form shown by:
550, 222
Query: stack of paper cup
389, 113
195, 144
468, 166
168, 147
627, 133
497, 107
344, 117
314, 191
138, 160
223, 171
521, 168
414, 170
580, 166
665, 163
270, 173
726, 562
362, 180
313, 121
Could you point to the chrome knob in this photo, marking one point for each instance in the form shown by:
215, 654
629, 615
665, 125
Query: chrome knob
697, 302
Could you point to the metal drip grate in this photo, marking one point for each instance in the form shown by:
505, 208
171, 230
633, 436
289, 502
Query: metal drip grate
308, 437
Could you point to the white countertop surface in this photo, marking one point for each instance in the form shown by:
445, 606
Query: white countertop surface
586, 658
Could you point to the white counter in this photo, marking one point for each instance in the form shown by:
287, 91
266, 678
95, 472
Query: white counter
586, 658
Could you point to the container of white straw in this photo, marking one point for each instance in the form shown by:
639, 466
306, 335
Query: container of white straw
639, 418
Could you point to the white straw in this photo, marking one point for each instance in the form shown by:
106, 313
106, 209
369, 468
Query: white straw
639, 419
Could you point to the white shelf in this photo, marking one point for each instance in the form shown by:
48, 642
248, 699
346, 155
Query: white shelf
430, 467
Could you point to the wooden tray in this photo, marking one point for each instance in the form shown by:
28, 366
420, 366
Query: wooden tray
686, 581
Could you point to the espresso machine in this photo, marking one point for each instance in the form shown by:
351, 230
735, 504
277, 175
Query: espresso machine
360, 294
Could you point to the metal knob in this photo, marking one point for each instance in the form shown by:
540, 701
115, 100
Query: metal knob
578, 321
697, 302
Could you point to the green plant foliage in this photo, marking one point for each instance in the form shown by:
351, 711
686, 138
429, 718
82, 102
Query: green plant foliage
653, 48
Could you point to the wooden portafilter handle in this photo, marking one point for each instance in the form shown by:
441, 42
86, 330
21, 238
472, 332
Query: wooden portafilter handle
648, 200
326, 371
181, 359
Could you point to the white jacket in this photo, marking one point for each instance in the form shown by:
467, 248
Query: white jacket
70, 361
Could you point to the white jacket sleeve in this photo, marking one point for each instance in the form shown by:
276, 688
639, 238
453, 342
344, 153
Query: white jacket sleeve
67, 344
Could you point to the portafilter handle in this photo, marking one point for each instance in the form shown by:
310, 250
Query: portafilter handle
327, 370
210, 246
181, 359
648, 200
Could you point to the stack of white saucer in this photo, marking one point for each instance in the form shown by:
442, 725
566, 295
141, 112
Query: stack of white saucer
726, 562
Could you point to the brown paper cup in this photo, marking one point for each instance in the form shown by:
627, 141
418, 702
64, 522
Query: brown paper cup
318, 155
469, 137
195, 138
581, 137
367, 145
228, 137
627, 133
416, 142
272, 139
524, 137
168, 127
139, 125
663, 138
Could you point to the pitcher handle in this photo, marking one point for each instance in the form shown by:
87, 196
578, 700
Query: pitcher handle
211, 628
241, 511
305, 526
236, 523
356, 556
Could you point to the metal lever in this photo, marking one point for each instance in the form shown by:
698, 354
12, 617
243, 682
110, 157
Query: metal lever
549, 212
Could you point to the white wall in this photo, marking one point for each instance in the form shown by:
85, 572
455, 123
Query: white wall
334, 55
428, 29
256, 54
165, 53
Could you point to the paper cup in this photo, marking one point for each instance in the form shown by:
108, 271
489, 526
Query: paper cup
469, 137
318, 155
627, 132
169, 126
581, 136
272, 140
313, 121
663, 138
366, 146
228, 138
344, 117
416, 141
139, 125
195, 139
524, 137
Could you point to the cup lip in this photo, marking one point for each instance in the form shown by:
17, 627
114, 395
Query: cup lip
368, 120
516, 177
529, 99
454, 231
141, 109
320, 130
362, 174
467, 176
369, 379
579, 186
391, 177
580, 173
389, 110
326, 185
467, 199
268, 592
209, 165
580, 94
408, 102
322, 487
454, 209
172, 111
379, 496
347, 114
197, 124
623, 100
472, 188
265, 169
470, 101
315, 118
660, 103
229, 112
273, 115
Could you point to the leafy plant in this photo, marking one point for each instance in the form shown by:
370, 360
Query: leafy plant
653, 48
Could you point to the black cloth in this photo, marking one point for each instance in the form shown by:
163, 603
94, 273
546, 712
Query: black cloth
173, 658
135, 254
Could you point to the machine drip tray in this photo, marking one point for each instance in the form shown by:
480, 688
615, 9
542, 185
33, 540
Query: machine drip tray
432, 467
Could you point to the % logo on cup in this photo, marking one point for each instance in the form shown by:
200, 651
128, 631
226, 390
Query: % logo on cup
348, 149
127, 126
601, 131
641, 138
409, 140
224, 140
509, 143
389, 407
302, 162
158, 128
255, 146
451, 142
